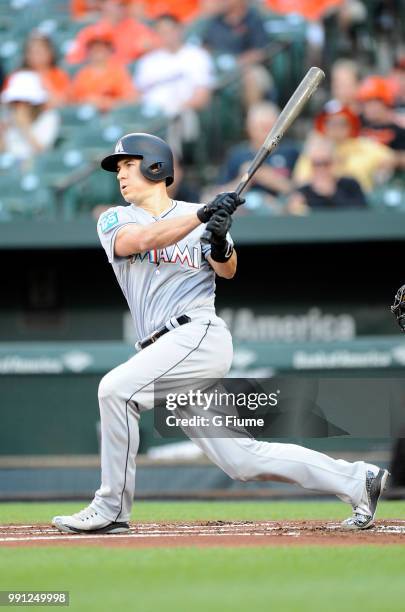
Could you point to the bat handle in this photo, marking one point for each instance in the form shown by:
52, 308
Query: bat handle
206, 237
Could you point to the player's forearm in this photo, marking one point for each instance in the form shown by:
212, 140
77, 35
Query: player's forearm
164, 233
133, 239
226, 269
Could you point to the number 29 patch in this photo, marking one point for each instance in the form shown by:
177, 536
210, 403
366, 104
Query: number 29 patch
108, 221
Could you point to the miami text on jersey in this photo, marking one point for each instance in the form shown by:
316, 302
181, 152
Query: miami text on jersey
171, 255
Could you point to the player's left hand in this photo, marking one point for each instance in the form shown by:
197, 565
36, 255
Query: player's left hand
398, 307
219, 225
228, 201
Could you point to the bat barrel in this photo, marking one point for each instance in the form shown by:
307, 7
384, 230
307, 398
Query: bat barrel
290, 112
294, 106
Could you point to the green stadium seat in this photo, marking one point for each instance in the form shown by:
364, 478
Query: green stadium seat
133, 112
45, 9
65, 171
56, 165
9, 165
94, 140
100, 188
98, 138
44, 15
25, 197
10, 52
76, 117
221, 125
7, 16
287, 66
390, 196
195, 31
137, 118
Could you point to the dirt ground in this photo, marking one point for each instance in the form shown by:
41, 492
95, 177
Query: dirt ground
211, 533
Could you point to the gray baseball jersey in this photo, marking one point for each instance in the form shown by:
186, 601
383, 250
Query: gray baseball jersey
161, 283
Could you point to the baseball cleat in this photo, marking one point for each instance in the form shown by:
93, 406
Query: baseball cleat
364, 513
88, 521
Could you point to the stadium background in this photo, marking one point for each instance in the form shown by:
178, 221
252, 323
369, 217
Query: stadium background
311, 296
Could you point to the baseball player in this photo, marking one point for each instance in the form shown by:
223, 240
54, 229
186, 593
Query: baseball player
168, 278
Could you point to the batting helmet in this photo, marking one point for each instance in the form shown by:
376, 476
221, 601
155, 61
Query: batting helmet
155, 153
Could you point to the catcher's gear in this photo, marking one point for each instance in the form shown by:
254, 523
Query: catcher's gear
219, 224
398, 307
229, 201
157, 158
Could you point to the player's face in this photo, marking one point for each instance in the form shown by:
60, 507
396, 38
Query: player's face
132, 182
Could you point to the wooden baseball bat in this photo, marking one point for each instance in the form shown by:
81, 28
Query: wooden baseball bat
290, 112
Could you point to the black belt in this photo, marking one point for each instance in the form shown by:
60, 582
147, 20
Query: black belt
182, 320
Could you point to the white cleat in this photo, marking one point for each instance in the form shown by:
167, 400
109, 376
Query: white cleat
364, 514
88, 521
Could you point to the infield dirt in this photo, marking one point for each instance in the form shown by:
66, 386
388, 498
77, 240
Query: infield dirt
211, 533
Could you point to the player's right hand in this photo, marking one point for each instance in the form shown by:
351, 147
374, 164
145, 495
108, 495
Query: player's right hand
227, 201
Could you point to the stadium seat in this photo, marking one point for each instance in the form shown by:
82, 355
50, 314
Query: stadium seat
195, 31
25, 197
95, 140
99, 188
10, 52
77, 116
54, 166
390, 196
136, 118
221, 124
287, 66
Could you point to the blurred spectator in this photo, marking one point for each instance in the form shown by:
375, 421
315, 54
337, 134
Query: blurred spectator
40, 56
83, 9
273, 178
367, 161
323, 16
396, 81
378, 119
312, 10
131, 38
102, 81
177, 79
238, 31
209, 8
29, 127
177, 76
345, 81
183, 10
325, 191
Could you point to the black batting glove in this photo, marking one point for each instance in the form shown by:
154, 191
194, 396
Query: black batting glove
227, 201
219, 225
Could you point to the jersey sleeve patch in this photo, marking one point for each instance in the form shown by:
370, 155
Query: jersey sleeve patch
107, 221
